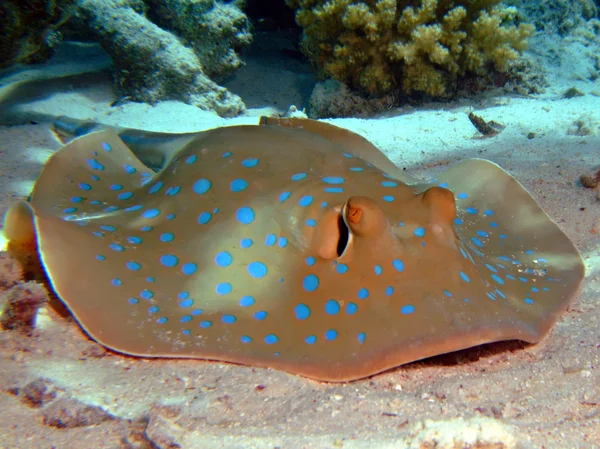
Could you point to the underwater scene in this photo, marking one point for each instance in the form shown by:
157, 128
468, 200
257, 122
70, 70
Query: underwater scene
299, 224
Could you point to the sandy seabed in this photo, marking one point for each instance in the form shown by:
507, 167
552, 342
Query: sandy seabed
58, 389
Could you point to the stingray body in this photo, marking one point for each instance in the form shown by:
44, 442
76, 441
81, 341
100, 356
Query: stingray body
294, 245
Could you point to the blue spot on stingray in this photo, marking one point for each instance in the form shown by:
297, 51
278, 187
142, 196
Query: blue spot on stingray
133, 301
528, 301
348, 155
129, 169
310, 283
257, 269
282, 242
464, 277
492, 268
311, 339
227, 154
151, 213
333, 180
147, 294
95, 178
191, 159
302, 311
100, 257
108, 228
493, 224
134, 266
98, 234
284, 196
363, 293
150, 279
271, 339
106, 147
169, 260
407, 309
246, 243
448, 293
388, 198
443, 184
378, 270
491, 296
202, 186
224, 288
488, 212
535, 289
305, 200
503, 236
462, 196
351, 308
170, 216
204, 217
238, 185
186, 303
311, 222
146, 228
482, 234
247, 301
529, 251
332, 307
331, 334
223, 259
310, 261
356, 169
111, 208
253, 162
324, 204
156, 187
389, 184
185, 319
458, 221
184, 295
477, 242
261, 315
117, 282
85, 186
398, 265
189, 268
341, 268
133, 208
361, 337
333, 189
498, 279
116, 247
245, 215
271, 240
419, 232
298, 176
173, 190
197, 312
206, 324
471, 210
125, 195
69, 210
153, 309
76, 199
95, 165
228, 319
246, 339
389, 290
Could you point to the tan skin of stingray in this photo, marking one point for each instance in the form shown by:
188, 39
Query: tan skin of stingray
371, 236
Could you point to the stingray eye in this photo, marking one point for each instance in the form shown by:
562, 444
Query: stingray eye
331, 235
363, 216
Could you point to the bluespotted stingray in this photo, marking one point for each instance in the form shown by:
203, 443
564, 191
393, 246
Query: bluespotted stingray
294, 245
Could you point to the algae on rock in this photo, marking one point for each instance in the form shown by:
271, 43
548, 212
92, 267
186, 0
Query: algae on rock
170, 49
379, 46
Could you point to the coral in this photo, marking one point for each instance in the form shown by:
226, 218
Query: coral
170, 49
383, 45
29, 29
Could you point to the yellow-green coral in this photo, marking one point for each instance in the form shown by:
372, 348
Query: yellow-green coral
415, 46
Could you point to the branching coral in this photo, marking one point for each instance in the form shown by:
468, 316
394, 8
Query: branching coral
416, 46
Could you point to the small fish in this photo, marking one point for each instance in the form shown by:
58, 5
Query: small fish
295, 245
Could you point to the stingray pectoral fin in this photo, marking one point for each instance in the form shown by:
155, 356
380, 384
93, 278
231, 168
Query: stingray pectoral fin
526, 259
347, 140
